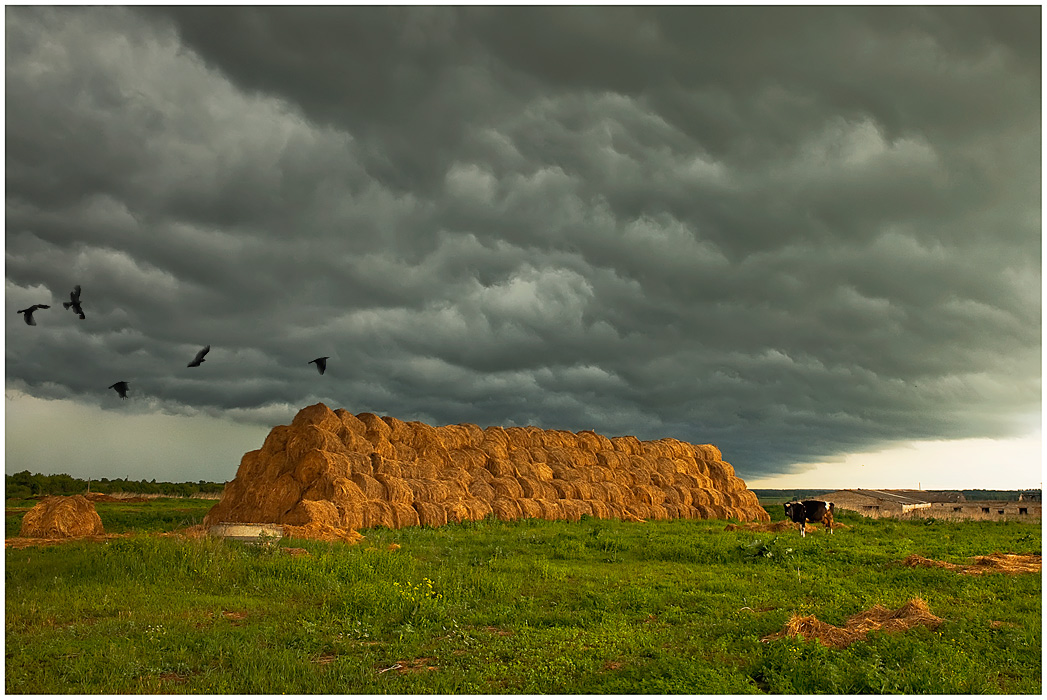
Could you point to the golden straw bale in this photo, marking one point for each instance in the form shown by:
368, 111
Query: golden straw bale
530, 487
457, 511
468, 458
719, 471
588, 441
404, 515
672, 510
658, 512
480, 474
506, 509
584, 489
317, 415
276, 440
519, 437
478, 509
381, 446
557, 456
310, 466
475, 432
564, 489
424, 468
344, 490
615, 493
355, 442
542, 471
423, 435
377, 513
627, 444
550, 510
539, 453
640, 510
399, 431
566, 473
61, 516
386, 465
520, 457
373, 489
453, 437
598, 509
612, 459
402, 452
650, 495
306, 512
494, 448
420, 490
501, 468
397, 490
481, 490
709, 452
672, 496
506, 487
431, 514
351, 422
598, 491
350, 515
374, 425
529, 508
359, 463
572, 511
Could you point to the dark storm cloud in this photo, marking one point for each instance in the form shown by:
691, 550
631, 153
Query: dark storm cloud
793, 232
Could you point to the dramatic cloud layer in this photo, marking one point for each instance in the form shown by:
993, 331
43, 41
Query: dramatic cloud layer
792, 232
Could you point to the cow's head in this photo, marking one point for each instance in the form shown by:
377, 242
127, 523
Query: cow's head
794, 510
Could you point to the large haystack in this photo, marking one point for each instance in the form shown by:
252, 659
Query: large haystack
62, 516
356, 471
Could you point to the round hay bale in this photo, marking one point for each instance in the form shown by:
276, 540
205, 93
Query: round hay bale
584, 489
469, 458
318, 415
351, 422
402, 452
530, 487
396, 489
344, 490
615, 493
276, 440
598, 491
387, 466
423, 469
588, 441
424, 436
657, 512
399, 431
627, 444
359, 463
501, 468
640, 510
550, 510
350, 515
564, 489
404, 515
431, 514
61, 516
529, 508
381, 446
480, 474
598, 509
505, 487
377, 514
708, 452
612, 459
373, 489
457, 511
542, 471
305, 512
374, 426
538, 453
481, 490
506, 509
420, 489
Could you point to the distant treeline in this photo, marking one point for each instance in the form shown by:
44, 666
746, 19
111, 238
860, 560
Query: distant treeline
23, 484
786, 495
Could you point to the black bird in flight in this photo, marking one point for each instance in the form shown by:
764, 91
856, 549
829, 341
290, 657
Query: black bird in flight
321, 364
74, 302
29, 313
199, 359
121, 388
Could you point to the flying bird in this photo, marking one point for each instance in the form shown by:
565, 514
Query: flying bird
199, 359
121, 388
74, 302
321, 364
29, 313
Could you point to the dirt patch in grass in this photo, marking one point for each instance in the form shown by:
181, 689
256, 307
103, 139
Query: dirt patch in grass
991, 563
418, 665
913, 614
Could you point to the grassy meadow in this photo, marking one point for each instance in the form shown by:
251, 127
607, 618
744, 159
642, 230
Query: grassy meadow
530, 606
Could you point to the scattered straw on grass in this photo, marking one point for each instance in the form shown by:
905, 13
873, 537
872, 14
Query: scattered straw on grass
988, 564
913, 614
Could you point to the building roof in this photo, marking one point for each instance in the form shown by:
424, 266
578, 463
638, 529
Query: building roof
932, 496
889, 496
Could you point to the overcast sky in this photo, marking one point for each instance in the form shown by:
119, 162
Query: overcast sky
800, 234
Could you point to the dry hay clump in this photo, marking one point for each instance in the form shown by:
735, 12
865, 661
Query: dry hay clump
346, 472
62, 516
913, 614
991, 563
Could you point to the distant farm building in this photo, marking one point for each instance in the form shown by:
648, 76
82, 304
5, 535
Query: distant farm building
945, 505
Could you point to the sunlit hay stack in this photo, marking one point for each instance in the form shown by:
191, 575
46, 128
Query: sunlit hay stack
349, 472
990, 563
62, 516
914, 613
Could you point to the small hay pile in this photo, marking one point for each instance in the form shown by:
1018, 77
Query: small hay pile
913, 614
346, 472
991, 563
61, 516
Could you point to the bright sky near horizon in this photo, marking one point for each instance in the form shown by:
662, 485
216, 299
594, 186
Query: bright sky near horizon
808, 235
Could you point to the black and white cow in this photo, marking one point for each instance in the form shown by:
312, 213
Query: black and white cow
804, 512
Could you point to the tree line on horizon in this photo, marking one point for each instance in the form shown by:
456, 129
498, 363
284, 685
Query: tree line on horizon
25, 485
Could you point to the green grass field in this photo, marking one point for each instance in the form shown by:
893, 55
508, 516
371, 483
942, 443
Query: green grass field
522, 607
